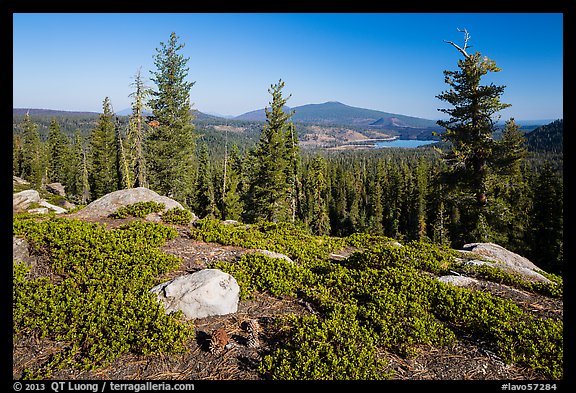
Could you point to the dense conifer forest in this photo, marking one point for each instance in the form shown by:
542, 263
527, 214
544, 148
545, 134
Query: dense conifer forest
402, 193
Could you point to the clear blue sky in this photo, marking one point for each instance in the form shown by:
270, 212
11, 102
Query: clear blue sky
384, 61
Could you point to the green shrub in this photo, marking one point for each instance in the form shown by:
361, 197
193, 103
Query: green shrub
258, 272
333, 348
177, 216
397, 301
491, 273
102, 307
138, 209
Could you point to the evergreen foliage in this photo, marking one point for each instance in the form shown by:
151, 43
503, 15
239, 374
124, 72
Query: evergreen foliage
547, 138
103, 154
385, 296
136, 132
316, 190
475, 159
138, 209
547, 220
32, 166
177, 216
170, 145
205, 202
272, 180
101, 307
58, 151
231, 205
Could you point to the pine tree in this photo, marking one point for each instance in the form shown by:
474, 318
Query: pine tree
32, 167
74, 167
270, 194
17, 154
170, 145
416, 226
509, 187
393, 196
124, 170
547, 223
317, 210
103, 154
231, 203
136, 133
85, 181
375, 200
338, 202
205, 202
57, 152
469, 131
293, 171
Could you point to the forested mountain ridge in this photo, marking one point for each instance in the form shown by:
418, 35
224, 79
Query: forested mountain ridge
547, 138
333, 112
320, 134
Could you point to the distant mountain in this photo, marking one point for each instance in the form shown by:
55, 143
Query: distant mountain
219, 115
128, 112
547, 138
257, 115
198, 115
50, 112
337, 113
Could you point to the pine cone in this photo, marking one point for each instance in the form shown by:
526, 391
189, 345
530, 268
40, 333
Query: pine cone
253, 328
218, 340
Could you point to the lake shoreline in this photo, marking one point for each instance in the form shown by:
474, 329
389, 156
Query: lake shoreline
382, 143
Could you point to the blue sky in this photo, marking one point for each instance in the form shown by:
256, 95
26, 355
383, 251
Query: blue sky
385, 61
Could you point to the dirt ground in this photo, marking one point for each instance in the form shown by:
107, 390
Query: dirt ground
469, 358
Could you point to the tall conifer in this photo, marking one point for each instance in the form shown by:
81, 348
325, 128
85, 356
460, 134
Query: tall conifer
57, 152
32, 167
103, 154
170, 147
272, 183
475, 156
136, 132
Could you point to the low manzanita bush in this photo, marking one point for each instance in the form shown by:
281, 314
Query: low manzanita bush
384, 295
102, 306
138, 209
383, 298
177, 216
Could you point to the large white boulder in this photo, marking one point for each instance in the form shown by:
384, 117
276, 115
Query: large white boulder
503, 259
109, 203
57, 209
459, 281
200, 294
21, 200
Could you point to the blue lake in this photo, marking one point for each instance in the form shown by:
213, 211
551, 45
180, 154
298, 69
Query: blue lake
402, 143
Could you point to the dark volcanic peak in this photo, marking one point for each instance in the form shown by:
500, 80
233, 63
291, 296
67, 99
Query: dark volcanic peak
257, 115
334, 112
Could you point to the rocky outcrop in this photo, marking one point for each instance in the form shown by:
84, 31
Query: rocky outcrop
18, 181
459, 281
56, 188
57, 209
496, 256
23, 199
272, 254
109, 203
201, 294
500, 254
20, 251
